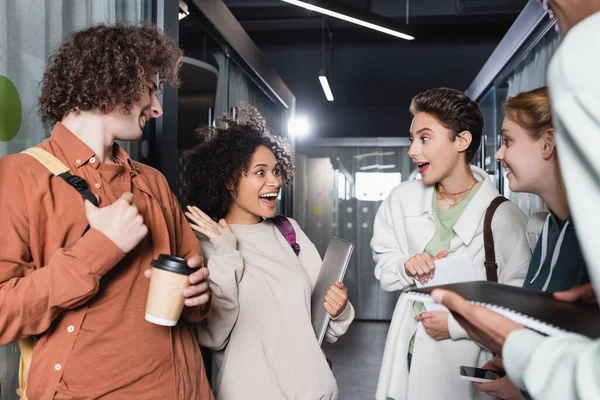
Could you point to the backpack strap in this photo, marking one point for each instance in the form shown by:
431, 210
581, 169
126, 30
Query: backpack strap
287, 230
59, 169
26, 346
491, 267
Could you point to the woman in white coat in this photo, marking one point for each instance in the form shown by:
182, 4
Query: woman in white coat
435, 217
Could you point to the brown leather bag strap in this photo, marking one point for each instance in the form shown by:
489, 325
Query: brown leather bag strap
491, 268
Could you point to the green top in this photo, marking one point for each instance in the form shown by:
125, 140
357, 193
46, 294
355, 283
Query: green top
444, 232
444, 223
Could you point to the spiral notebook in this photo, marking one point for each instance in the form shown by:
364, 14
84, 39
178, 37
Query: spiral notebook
534, 309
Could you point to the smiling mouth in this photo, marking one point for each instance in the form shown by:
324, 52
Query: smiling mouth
143, 120
422, 167
269, 195
269, 199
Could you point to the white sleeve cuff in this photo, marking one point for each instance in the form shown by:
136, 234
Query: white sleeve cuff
403, 273
344, 314
337, 327
456, 331
519, 347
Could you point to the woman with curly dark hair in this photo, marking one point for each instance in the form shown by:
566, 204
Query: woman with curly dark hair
260, 321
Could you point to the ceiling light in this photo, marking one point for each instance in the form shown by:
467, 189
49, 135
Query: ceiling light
325, 85
377, 153
377, 166
313, 7
298, 127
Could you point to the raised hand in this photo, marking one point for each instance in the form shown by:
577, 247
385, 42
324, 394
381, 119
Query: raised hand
205, 225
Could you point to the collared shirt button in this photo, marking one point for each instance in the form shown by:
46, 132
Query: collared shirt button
93, 160
57, 367
70, 328
98, 186
78, 161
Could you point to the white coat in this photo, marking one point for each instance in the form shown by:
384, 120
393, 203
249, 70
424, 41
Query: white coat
404, 225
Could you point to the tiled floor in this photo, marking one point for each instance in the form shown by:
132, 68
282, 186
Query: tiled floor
356, 359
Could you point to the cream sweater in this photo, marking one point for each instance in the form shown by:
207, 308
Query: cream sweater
260, 320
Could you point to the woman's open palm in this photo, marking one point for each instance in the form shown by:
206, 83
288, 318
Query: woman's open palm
205, 225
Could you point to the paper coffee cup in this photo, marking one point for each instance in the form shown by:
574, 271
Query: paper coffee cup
170, 276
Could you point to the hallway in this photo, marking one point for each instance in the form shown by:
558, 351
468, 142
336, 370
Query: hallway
356, 359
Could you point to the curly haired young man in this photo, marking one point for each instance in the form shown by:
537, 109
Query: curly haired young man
81, 292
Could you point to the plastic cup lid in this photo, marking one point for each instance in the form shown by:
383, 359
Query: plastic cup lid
174, 264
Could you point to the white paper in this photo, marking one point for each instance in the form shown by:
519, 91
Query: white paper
453, 269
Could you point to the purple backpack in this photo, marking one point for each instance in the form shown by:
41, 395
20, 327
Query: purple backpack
287, 230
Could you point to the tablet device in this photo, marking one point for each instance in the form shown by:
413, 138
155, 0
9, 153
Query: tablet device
332, 270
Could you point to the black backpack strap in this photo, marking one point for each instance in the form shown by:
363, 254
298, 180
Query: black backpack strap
81, 186
59, 169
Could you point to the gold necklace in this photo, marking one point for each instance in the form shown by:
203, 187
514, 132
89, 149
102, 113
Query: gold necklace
450, 205
441, 193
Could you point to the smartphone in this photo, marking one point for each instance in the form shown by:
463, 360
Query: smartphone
479, 374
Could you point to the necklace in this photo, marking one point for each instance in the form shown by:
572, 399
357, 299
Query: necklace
441, 191
450, 205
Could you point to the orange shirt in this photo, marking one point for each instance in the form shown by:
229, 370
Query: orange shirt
82, 295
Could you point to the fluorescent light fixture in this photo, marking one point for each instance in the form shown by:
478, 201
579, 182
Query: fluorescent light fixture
377, 166
325, 85
298, 127
387, 153
334, 14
